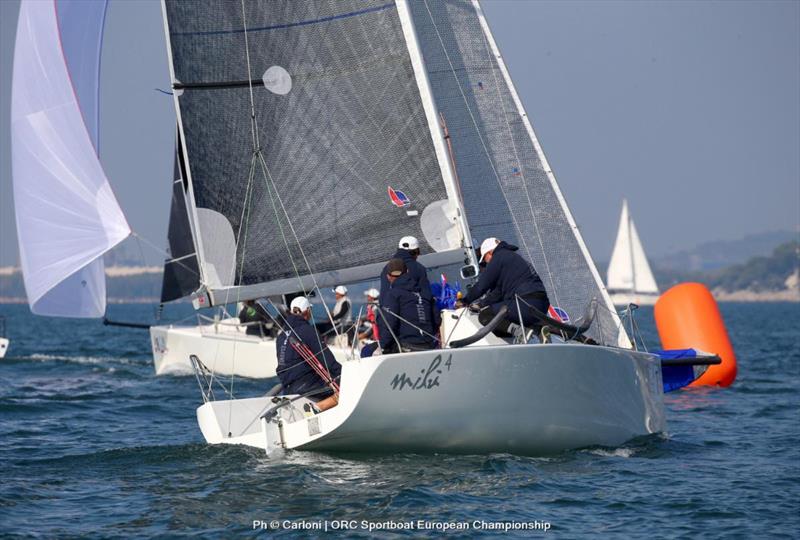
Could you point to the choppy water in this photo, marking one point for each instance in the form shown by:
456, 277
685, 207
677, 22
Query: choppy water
93, 444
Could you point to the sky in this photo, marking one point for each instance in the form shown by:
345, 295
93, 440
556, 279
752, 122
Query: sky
690, 110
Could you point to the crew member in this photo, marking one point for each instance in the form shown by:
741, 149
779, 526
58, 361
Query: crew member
368, 329
406, 315
408, 251
508, 276
295, 373
255, 317
340, 316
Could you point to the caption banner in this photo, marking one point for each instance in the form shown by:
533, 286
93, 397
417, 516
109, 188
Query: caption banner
413, 525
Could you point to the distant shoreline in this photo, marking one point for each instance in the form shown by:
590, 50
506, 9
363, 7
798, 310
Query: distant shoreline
722, 297
15, 300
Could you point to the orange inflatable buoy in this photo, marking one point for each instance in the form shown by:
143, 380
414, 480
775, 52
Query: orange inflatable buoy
687, 316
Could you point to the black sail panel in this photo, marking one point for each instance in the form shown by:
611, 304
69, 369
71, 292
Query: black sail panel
181, 270
346, 164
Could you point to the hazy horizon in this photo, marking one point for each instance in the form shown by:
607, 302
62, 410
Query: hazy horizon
690, 110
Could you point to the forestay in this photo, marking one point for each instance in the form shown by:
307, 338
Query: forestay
508, 188
67, 216
338, 161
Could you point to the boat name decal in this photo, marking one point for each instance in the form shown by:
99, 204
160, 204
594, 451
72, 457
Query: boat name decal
428, 378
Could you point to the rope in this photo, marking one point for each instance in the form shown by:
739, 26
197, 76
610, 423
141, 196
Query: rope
163, 252
253, 125
421, 331
453, 330
311, 359
288, 328
244, 221
270, 183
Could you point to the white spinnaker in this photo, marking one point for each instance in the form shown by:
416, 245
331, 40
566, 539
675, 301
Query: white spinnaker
620, 267
67, 216
645, 282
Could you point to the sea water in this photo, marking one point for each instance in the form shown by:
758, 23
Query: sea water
93, 444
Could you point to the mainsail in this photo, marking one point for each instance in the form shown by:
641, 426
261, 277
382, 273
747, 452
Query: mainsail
67, 216
628, 270
307, 144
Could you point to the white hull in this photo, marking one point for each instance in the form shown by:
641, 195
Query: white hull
640, 299
225, 348
3, 347
524, 399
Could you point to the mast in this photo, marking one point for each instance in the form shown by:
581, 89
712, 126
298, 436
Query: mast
432, 117
199, 297
630, 246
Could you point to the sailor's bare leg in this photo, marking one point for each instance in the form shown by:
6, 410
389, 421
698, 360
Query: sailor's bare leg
327, 403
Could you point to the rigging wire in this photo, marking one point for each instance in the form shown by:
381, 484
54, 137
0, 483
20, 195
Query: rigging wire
257, 154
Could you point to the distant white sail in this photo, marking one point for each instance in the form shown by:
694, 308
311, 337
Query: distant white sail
67, 216
628, 270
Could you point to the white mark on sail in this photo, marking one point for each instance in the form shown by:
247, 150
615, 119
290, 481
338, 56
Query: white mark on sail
277, 80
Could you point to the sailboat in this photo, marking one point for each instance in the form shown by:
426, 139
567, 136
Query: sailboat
222, 340
67, 215
4, 342
313, 136
630, 280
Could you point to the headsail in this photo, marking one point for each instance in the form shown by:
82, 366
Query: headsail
181, 270
67, 216
508, 187
340, 127
628, 269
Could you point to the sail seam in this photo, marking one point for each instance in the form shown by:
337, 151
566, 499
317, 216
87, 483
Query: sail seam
287, 25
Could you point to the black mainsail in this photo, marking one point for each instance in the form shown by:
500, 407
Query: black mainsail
339, 161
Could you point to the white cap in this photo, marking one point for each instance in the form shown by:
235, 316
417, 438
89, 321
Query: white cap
341, 289
301, 303
488, 245
409, 243
372, 293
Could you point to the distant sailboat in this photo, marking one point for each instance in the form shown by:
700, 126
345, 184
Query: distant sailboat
3, 340
630, 279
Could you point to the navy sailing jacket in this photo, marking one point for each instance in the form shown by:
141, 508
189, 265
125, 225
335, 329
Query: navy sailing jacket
415, 270
404, 298
297, 377
508, 274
